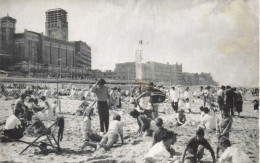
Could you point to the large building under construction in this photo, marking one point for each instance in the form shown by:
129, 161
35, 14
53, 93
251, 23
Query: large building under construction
36, 54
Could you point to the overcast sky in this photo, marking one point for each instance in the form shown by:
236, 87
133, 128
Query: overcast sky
220, 37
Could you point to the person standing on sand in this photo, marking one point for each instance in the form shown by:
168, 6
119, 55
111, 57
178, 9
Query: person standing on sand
201, 96
229, 100
103, 101
238, 101
187, 95
209, 98
174, 96
220, 98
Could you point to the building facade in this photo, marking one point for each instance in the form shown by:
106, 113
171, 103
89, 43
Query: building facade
167, 73
152, 71
125, 71
35, 53
7, 30
56, 25
83, 55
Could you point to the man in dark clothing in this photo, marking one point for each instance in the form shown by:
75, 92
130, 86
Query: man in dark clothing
103, 101
220, 99
238, 101
158, 134
195, 148
229, 99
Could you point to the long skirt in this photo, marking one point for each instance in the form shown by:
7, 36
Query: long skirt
239, 105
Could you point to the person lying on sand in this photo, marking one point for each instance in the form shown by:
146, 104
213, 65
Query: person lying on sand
86, 128
13, 128
161, 151
111, 137
144, 123
158, 132
232, 154
195, 148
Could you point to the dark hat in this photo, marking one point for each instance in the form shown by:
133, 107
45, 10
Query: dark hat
102, 81
208, 87
223, 87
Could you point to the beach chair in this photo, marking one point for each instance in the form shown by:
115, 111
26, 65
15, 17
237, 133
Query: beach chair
46, 137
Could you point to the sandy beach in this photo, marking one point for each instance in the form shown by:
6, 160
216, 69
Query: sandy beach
244, 134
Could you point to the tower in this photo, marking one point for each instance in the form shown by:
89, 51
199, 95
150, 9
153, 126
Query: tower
56, 25
7, 30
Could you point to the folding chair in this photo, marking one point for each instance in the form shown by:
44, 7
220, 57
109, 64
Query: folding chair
49, 133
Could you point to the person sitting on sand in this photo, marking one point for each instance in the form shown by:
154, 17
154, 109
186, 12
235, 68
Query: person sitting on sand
47, 113
86, 128
195, 148
160, 151
223, 126
232, 154
111, 137
84, 104
208, 121
54, 107
36, 107
13, 128
20, 101
157, 134
143, 121
180, 118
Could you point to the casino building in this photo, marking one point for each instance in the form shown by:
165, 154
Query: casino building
35, 54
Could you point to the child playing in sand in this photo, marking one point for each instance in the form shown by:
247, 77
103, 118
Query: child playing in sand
223, 126
115, 130
180, 118
195, 150
86, 128
143, 121
158, 132
160, 151
232, 154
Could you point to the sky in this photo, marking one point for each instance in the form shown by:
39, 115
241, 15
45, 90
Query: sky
219, 37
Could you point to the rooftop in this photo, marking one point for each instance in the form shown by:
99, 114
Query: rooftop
56, 9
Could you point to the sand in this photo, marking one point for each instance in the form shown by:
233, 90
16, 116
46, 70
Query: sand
244, 134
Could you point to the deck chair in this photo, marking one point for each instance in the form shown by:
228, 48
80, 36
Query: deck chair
46, 134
